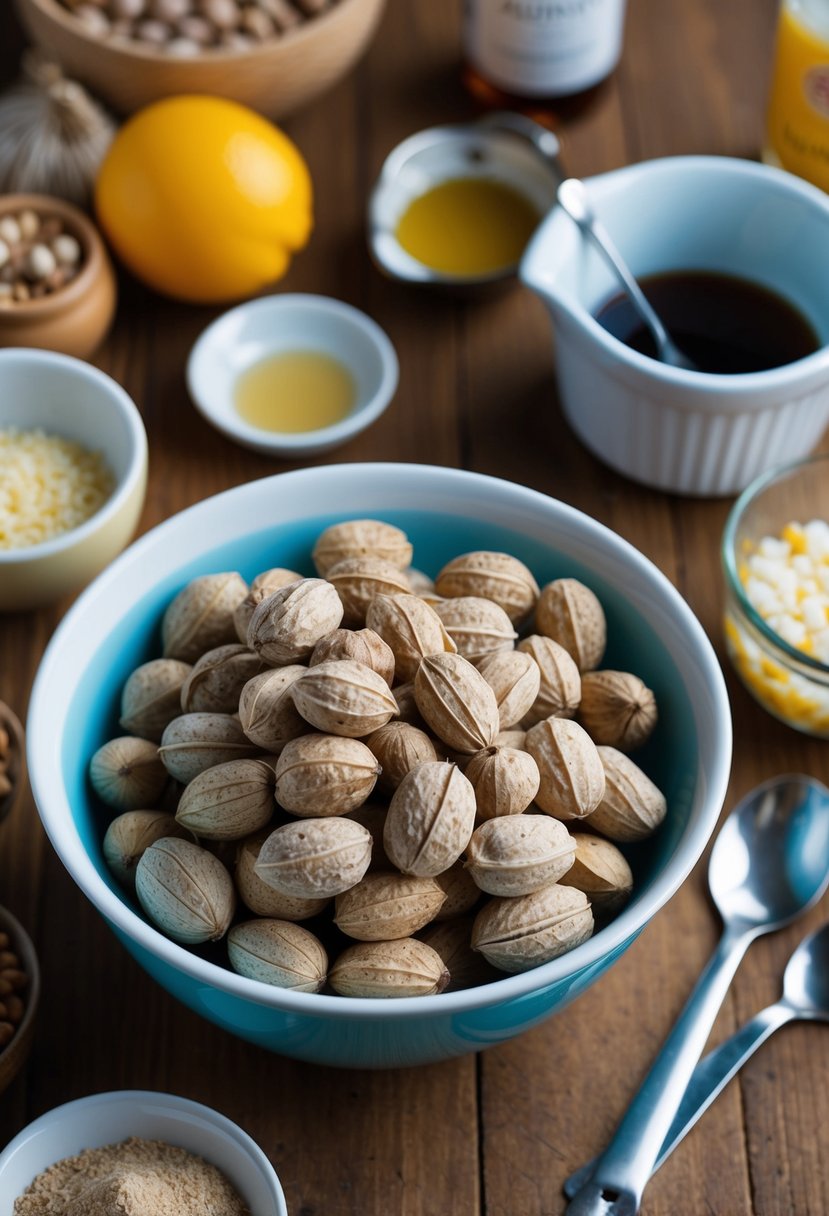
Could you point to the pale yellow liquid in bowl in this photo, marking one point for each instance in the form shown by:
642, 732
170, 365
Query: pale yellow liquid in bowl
295, 391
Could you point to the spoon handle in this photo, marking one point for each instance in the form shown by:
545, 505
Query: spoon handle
622, 1171
713, 1073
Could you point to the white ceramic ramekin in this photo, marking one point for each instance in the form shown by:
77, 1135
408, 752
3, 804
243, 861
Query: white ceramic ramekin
67, 397
689, 432
109, 1118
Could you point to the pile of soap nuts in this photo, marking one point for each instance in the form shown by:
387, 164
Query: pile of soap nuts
13, 982
37, 256
390, 744
188, 27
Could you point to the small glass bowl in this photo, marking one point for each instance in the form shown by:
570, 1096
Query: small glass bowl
786, 680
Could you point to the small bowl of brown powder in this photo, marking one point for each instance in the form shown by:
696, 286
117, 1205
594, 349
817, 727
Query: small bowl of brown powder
136, 1153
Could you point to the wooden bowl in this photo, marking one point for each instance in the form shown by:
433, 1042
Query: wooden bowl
276, 77
13, 1056
16, 766
75, 318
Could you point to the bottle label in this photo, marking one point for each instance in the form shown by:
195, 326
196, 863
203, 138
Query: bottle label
543, 48
797, 135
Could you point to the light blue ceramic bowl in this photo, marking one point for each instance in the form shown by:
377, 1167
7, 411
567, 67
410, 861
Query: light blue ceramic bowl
114, 626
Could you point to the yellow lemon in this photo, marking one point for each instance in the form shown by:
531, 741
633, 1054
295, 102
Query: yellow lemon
203, 199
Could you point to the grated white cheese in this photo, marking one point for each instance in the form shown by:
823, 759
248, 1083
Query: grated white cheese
48, 485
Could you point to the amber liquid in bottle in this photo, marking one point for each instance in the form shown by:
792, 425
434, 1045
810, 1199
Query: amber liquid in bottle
550, 59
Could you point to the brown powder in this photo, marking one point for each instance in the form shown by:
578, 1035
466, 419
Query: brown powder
134, 1178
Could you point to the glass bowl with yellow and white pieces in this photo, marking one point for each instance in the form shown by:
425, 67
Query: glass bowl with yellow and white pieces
775, 556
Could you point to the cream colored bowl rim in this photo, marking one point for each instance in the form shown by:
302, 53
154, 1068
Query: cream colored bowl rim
120, 399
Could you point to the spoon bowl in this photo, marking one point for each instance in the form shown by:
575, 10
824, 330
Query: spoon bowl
806, 979
771, 858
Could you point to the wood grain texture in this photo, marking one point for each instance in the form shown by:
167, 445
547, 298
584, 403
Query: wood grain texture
497, 1134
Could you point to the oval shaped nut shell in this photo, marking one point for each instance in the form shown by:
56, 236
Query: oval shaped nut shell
456, 702
460, 891
430, 819
151, 697
405, 967
602, 872
361, 538
559, 690
572, 776
185, 891
517, 934
411, 629
321, 775
632, 807
384, 907
505, 781
617, 709
228, 801
258, 897
315, 858
519, 855
278, 952
451, 939
362, 645
477, 627
358, 580
570, 613
201, 616
421, 584
262, 586
127, 773
515, 678
493, 576
407, 711
129, 835
398, 748
342, 697
195, 742
267, 712
216, 680
287, 625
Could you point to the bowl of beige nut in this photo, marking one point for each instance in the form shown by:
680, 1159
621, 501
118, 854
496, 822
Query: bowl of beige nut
301, 655
135, 1150
73, 473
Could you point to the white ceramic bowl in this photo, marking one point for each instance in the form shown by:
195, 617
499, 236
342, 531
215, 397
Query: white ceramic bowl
690, 432
278, 324
115, 626
109, 1118
64, 396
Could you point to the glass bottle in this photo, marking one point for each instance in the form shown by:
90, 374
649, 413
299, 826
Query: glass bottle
541, 55
797, 125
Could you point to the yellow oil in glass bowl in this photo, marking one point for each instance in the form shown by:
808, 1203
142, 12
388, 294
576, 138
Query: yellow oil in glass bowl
295, 391
468, 226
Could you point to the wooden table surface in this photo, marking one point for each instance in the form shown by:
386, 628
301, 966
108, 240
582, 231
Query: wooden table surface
495, 1133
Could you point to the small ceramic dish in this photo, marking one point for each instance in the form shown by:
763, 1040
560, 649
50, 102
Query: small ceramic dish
503, 147
280, 324
789, 678
15, 766
13, 1055
63, 396
103, 1119
75, 318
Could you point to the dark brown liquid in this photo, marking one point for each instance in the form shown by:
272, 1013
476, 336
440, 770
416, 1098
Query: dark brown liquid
723, 324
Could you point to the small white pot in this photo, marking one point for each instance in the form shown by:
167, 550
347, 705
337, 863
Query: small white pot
690, 432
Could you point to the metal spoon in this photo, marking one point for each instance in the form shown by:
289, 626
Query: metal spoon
805, 996
572, 197
769, 864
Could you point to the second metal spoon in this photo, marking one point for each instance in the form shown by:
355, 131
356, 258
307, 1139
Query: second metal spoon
572, 197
